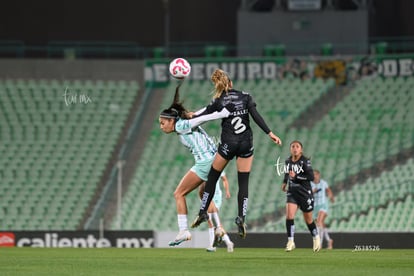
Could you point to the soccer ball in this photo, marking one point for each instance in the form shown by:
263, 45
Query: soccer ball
180, 68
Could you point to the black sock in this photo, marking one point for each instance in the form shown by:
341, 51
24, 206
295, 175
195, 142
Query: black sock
312, 229
243, 195
209, 190
290, 228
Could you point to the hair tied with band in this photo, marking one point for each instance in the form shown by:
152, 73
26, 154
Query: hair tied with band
174, 111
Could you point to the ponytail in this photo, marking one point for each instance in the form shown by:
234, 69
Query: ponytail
176, 110
222, 83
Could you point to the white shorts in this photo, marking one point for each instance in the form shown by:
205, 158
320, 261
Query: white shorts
317, 208
217, 200
201, 169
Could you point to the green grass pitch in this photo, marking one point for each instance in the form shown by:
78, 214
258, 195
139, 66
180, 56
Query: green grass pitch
181, 261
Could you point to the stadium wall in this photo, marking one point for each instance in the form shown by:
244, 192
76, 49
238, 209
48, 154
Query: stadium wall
342, 68
59, 69
151, 239
142, 22
295, 29
352, 241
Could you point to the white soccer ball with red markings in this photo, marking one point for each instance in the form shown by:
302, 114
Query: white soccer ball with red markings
180, 68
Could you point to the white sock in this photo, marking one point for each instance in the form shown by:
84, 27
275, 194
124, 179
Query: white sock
320, 231
210, 236
292, 232
210, 222
226, 239
216, 219
182, 222
326, 234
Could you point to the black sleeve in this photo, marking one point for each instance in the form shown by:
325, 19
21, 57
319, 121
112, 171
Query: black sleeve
286, 177
307, 173
258, 119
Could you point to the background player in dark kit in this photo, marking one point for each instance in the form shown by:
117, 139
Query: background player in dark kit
296, 184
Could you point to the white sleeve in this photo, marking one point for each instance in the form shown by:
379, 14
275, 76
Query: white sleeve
209, 117
198, 112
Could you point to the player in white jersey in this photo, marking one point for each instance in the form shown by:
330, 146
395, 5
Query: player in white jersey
192, 136
215, 229
321, 193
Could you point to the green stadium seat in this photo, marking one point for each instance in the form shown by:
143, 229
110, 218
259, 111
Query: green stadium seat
209, 51
49, 159
381, 48
215, 51
327, 49
274, 50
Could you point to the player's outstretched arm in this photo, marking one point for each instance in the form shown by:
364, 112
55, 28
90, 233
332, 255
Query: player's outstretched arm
262, 124
196, 121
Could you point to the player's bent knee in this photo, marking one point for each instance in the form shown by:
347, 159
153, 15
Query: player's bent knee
179, 194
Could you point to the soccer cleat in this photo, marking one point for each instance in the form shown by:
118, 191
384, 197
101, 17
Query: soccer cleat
290, 246
230, 247
316, 243
241, 227
199, 219
330, 244
218, 236
180, 238
211, 249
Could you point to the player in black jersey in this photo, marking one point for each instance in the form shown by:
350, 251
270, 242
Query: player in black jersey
296, 184
236, 141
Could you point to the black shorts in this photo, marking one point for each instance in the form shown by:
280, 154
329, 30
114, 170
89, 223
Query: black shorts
242, 149
301, 196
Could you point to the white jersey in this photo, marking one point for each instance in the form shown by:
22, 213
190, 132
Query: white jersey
196, 140
320, 197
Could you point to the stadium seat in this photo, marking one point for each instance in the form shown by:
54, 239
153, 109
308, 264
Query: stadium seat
54, 153
327, 49
381, 48
158, 52
274, 50
215, 51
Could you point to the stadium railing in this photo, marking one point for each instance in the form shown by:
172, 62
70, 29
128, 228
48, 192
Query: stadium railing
132, 50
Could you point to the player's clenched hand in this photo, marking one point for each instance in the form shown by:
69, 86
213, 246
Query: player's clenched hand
190, 114
275, 139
